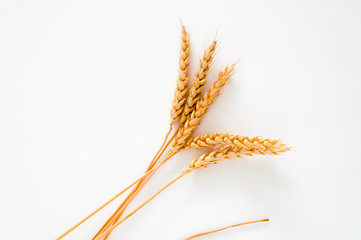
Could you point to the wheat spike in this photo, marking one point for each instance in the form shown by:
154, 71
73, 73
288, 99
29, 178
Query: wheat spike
194, 119
213, 157
249, 146
198, 81
216, 87
183, 76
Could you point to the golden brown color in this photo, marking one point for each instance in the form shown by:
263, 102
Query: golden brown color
249, 146
213, 157
225, 228
199, 81
193, 120
180, 92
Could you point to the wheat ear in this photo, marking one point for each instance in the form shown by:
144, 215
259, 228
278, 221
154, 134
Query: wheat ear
193, 120
198, 81
180, 93
249, 146
213, 157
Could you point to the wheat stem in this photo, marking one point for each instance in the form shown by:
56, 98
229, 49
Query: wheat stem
138, 208
160, 151
102, 206
117, 213
221, 229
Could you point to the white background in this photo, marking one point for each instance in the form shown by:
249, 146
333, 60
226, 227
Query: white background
85, 92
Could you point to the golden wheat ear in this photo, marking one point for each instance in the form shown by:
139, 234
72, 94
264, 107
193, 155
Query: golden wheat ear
248, 146
213, 157
199, 81
194, 118
180, 93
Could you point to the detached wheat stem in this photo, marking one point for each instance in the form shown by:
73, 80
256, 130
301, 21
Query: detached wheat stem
221, 229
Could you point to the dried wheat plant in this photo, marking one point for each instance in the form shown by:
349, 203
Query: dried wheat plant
187, 111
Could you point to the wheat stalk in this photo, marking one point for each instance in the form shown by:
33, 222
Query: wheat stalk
193, 120
113, 220
180, 93
198, 81
225, 228
189, 111
249, 146
102, 206
111, 228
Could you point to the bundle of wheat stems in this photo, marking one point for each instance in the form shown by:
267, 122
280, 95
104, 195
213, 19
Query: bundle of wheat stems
188, 108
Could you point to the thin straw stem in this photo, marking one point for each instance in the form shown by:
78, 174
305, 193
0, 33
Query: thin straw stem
112, 217
162, 148
121, 211
115, 216
139, 207
221, 229
101, 207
